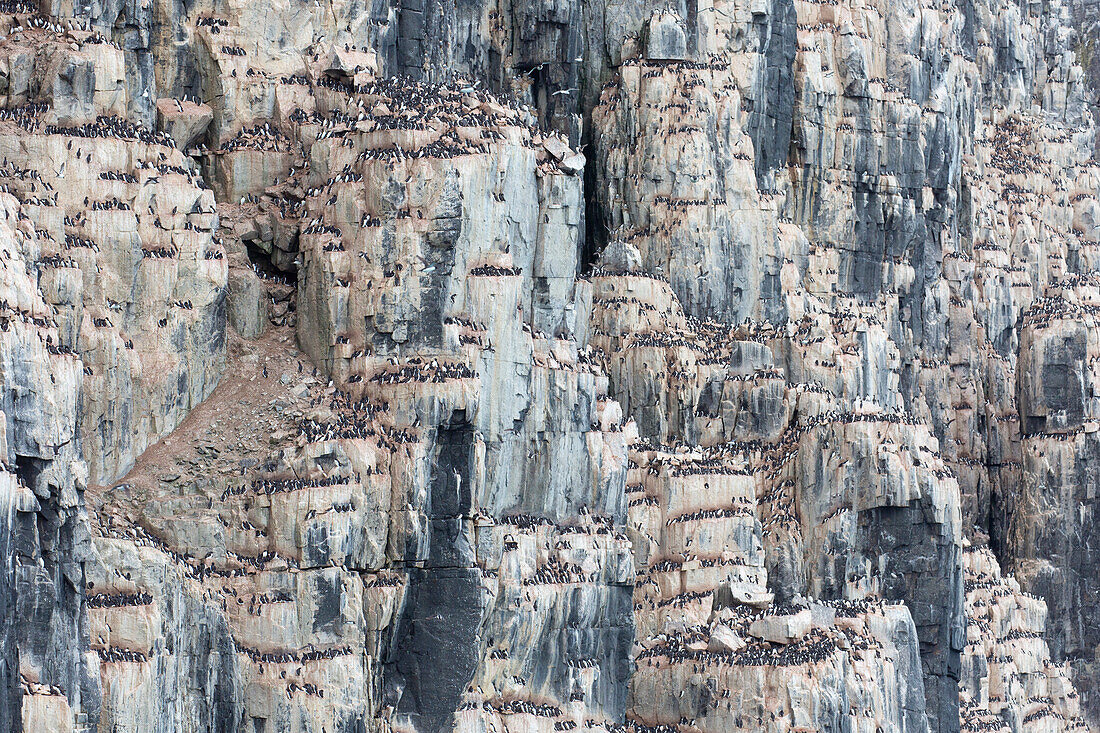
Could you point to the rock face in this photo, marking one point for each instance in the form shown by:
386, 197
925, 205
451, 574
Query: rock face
131, 264
626, 366
1009, 681
44, 626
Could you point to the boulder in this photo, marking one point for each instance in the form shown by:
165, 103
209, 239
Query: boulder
620, 257
247, 303
734, 594
782, 629
725, 639
185, 121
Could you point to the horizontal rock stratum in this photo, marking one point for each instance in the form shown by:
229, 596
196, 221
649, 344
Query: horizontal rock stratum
626, 366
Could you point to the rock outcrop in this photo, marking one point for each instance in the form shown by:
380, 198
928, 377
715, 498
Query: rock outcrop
1009, 681
624, 366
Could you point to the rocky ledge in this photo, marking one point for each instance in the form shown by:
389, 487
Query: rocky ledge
637, 367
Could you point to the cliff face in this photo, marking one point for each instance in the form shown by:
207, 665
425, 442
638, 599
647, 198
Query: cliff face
465, 364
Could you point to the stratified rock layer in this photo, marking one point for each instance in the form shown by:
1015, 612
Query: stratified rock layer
625, 366
1009, 681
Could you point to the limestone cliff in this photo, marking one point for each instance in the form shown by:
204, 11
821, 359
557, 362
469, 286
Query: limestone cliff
420, 365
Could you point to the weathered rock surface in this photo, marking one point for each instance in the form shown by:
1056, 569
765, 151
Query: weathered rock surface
46, 539
1009, 681
627, 366
130, 262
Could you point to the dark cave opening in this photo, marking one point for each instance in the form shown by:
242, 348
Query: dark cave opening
27, 469
262, 263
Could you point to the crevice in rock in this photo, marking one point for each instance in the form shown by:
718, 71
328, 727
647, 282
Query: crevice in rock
595, 232
265, 268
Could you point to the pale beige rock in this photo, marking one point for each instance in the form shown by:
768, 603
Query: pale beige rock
248, 302
784, 629
873, 236
732, 595
185, 120
724, 639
